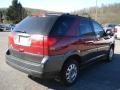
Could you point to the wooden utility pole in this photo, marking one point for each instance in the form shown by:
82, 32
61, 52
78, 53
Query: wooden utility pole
96, 15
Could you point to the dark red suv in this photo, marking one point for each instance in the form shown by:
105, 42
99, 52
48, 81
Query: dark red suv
57, 45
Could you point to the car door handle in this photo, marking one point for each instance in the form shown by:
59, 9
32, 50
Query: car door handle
90, 42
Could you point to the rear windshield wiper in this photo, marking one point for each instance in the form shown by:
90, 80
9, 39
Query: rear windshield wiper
21, 31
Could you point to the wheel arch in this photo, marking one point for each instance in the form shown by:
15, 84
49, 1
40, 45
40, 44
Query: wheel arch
75, 57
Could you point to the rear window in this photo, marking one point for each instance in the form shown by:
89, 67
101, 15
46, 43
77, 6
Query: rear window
36, 25
62, 25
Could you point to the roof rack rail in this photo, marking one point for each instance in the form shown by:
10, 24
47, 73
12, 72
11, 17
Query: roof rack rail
52, 13
71, 14
67, 13
86, 15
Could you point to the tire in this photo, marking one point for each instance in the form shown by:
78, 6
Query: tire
110, 54
116, 37
70, 72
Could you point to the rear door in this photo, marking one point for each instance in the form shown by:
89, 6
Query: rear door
87, 38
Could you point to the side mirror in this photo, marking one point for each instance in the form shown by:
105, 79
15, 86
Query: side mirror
109, 32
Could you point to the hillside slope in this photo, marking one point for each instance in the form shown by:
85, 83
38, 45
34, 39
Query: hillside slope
105, 14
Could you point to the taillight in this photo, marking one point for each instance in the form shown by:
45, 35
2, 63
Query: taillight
37, 40
49, 41
10, 39
42, 43
115, 30
10, 35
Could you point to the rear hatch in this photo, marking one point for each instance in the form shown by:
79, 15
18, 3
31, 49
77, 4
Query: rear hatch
28, 36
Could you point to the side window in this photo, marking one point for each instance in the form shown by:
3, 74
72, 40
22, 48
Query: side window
61, 26
85, 27
98, 29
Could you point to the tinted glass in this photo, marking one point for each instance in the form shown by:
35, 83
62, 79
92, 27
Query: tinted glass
62, 25
98, 29
35, 25
85, 27
112, 26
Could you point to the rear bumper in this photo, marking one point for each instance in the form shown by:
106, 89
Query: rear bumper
29, 68
48, 68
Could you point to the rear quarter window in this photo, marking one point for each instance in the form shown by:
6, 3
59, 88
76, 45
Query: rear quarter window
62, 26
85, 27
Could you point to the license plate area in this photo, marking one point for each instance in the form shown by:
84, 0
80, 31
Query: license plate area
22, 40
